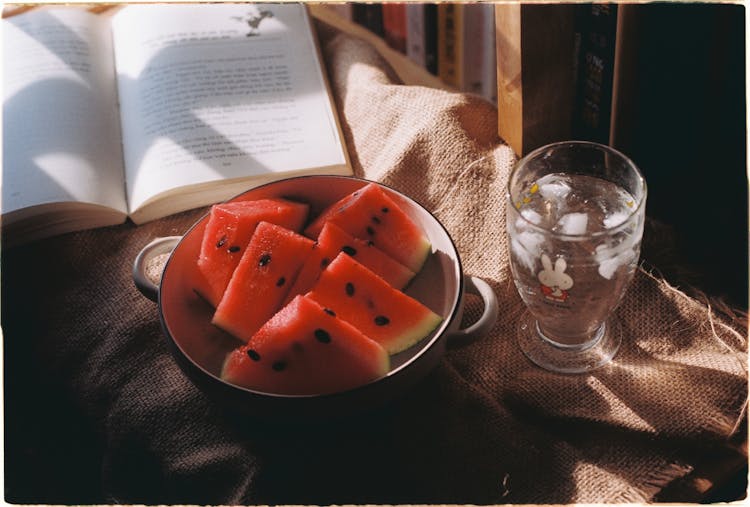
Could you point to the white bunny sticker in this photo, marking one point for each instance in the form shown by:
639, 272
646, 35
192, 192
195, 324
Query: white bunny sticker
554, 281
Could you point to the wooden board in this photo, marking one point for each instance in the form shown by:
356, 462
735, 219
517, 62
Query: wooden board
536, 73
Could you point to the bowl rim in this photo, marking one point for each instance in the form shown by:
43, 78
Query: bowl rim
437, 335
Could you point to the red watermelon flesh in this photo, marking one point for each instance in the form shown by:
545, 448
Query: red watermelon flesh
370, 214
387, 315
334, 240
305, 349
262, 279
228, 231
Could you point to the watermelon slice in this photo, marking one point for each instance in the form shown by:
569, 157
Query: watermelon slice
262, 279
305, 349
331, 242
367, 302
371, 215
228, 231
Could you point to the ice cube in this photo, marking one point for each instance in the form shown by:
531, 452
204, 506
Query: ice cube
573, 223
615, 219
526, 247
531, 215
554, 190
609, 259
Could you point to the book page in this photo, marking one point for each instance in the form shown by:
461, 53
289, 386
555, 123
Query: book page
60, 126
219, 92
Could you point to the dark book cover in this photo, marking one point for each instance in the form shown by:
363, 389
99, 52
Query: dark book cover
370, 16
431, 37
596, 34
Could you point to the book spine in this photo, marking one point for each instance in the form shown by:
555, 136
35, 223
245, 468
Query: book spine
431, 37
421, 35
597, 34
489, 63
450, 44
473, 49
415, 34
370, 16
394, 25
358, 14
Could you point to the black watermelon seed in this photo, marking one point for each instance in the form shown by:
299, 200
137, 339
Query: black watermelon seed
234, 248
281, 281
349, 289
370, 231
349, 250
278, 366
324, 262
385, 209
264, 259
329, 312
322, 336
252, 354
370, 243
382, 320
222, 241
376, 220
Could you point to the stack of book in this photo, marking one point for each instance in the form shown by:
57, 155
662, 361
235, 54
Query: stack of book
454, 41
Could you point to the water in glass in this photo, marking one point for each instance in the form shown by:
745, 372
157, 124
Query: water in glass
575, 243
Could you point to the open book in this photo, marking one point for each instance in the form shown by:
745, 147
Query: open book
154, 109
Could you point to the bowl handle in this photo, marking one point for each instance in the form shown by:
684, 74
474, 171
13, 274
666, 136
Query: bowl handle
143, 282
486, 321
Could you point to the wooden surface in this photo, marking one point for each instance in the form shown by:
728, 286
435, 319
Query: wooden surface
536, 78
509, 75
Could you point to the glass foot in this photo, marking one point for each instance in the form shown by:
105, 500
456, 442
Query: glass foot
568, 358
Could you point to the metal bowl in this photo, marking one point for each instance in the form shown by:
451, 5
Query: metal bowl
200, 348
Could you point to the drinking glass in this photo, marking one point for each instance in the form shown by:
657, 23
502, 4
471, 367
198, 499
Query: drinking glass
575, 214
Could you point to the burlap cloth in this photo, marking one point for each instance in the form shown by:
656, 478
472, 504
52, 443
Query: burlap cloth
484, 427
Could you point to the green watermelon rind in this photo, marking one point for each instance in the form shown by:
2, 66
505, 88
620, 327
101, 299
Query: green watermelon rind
417, 334
422, 253
407, 338
362, 200
333, 240
365, 359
